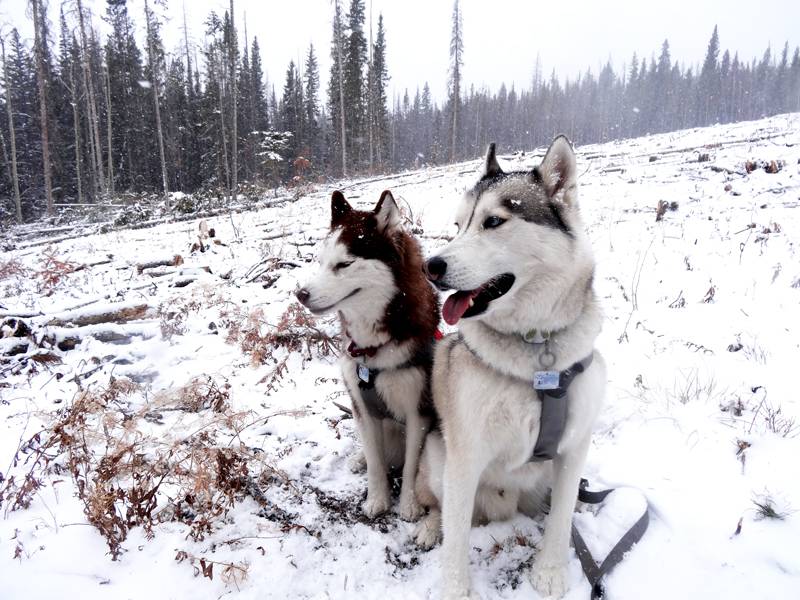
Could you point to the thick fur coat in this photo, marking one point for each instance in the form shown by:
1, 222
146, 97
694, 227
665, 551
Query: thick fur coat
371, 272
522, 269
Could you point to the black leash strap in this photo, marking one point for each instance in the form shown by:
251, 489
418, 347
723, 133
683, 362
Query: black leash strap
594, 572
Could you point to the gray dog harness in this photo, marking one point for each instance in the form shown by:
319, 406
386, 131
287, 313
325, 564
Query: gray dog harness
551, 389
376, 406
554, 411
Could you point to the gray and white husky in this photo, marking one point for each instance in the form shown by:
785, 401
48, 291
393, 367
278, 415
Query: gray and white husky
522, 268
371, 272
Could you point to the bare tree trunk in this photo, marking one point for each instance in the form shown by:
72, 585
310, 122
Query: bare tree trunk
189, 89
153, 68
234, 101
394, 136
94, 120
36, 9
76, 121
341, 91
224, 135
455, 56
186, 43
12, 135
455, 127
95, 185
6, 161
108, 131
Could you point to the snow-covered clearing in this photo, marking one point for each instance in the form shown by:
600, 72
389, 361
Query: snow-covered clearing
702, 412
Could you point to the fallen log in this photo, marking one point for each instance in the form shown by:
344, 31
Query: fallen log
726, 170
160, 272
175, 261
19, 314
181, 282
94, 264
119, 312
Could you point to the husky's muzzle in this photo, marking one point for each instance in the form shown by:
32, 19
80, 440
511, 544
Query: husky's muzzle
466, 303
304, 296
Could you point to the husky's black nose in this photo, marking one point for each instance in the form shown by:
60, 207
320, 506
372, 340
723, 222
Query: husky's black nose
436, 268
302, 295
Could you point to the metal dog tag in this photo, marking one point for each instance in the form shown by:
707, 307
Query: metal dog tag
546, 380
363, 373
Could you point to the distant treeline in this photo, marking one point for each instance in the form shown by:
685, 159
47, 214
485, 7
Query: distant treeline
84, 118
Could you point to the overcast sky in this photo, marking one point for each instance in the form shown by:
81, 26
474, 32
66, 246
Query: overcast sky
501, 38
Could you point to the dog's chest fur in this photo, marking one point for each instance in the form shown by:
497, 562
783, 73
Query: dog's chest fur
503, 413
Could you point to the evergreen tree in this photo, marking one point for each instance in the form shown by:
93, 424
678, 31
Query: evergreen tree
709, 84
131, 148
11, 162
664, 90
290, 110
456, 64
258, 98
781, 83
44, 85
794, 82
355, 61
379, 79
154, 70
20, 85
311, 107
724, 95
337, 139
245, 112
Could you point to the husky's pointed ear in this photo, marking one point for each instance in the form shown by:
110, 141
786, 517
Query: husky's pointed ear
340, 208
387, 213
558, 171
491, 168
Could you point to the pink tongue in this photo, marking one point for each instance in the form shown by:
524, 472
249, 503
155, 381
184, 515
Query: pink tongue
456, 305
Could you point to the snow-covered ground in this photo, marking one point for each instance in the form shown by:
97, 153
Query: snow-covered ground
702, 412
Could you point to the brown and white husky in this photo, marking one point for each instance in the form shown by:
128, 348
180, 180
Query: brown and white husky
371, 272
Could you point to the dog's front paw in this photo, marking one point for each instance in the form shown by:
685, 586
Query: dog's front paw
375, 504
357, 463
428, 531
549, 579
409, 509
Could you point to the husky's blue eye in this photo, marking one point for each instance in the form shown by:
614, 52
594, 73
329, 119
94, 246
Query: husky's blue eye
342, 265
492, 222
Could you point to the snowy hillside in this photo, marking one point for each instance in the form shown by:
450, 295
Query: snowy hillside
206, 417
